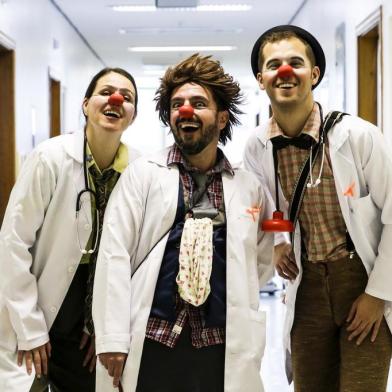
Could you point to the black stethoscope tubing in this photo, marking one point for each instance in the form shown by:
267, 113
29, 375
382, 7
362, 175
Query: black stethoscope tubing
93, 195
86, 187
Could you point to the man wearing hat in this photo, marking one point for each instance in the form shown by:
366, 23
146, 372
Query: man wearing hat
332, 177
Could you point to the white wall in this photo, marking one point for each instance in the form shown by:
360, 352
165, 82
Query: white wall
322, 18
146, 134
32, 27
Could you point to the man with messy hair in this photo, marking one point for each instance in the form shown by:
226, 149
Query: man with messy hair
182, 253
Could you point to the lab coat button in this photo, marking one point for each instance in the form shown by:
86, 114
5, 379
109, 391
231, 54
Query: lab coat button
87, 226
71, 269
351, 210
53, 309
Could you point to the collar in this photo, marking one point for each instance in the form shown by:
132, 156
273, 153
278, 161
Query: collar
120, 161
311, 127
175, 157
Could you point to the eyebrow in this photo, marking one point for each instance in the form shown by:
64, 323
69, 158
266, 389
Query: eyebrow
279, 60
194, 98
127, 90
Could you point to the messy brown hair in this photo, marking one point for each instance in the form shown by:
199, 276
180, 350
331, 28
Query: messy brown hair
280, 36
209, 74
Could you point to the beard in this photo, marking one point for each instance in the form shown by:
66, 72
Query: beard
189, 146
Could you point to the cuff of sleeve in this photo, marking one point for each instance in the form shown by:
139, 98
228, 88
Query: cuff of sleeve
118, 343
27, 345
280, 238
378, 284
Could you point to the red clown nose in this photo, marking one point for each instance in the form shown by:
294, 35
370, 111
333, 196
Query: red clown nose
116, 99
285, 71
186, 111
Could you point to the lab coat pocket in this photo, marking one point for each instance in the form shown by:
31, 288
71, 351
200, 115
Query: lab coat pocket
367, 217
258, 331
247, 225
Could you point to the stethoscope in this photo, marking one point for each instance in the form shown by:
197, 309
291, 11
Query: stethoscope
316, 183
93, 197
115, 99
277, 223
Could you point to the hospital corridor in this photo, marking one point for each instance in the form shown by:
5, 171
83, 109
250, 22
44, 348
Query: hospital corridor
195, 195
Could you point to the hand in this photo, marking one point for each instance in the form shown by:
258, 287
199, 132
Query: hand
284, 261
38, 356
365, 315
90, 358
114, 364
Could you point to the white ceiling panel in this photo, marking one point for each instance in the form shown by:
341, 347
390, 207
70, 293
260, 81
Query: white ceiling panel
111, 33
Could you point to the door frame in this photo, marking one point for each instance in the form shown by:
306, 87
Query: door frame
7, 123
370, 64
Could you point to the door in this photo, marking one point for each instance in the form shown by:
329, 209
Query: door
55, 107
370, 69
7, 125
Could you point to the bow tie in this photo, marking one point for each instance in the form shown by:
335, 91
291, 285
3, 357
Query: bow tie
302, 141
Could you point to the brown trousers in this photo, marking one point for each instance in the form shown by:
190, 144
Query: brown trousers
322, 357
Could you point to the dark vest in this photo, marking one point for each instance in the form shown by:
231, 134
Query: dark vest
164, 303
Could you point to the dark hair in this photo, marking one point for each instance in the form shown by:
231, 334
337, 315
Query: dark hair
209, 74
280, 36
105, 71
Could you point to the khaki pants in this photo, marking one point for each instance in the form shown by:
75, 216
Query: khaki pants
323, 359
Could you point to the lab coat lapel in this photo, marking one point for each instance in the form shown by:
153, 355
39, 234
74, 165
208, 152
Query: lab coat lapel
344, 170
229, 189
74, 148
168, 184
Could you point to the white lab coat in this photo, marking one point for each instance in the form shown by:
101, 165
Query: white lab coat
39, 252
142, 208
359, 158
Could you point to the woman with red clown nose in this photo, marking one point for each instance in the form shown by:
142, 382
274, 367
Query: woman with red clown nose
49, 242
324, 171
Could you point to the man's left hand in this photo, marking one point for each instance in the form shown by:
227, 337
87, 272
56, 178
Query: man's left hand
365, 316
90, 359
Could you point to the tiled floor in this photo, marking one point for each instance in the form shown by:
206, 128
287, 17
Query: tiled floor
272, 369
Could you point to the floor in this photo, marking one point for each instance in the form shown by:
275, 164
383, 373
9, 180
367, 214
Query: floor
272, 369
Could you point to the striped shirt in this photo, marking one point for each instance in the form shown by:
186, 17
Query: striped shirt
119, 164
321, 221
167, 332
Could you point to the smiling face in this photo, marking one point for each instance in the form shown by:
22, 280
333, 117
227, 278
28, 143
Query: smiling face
115, 117
193, 133
294, 89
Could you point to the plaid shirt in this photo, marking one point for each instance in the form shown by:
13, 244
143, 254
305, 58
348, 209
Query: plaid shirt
167, 332
320, 218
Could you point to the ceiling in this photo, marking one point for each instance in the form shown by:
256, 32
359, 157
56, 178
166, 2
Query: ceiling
110, 33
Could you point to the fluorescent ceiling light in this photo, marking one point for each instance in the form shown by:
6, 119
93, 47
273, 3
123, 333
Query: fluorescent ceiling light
207, 8
180, 48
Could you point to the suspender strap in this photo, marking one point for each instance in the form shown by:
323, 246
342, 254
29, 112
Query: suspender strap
297, 196
275, 155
